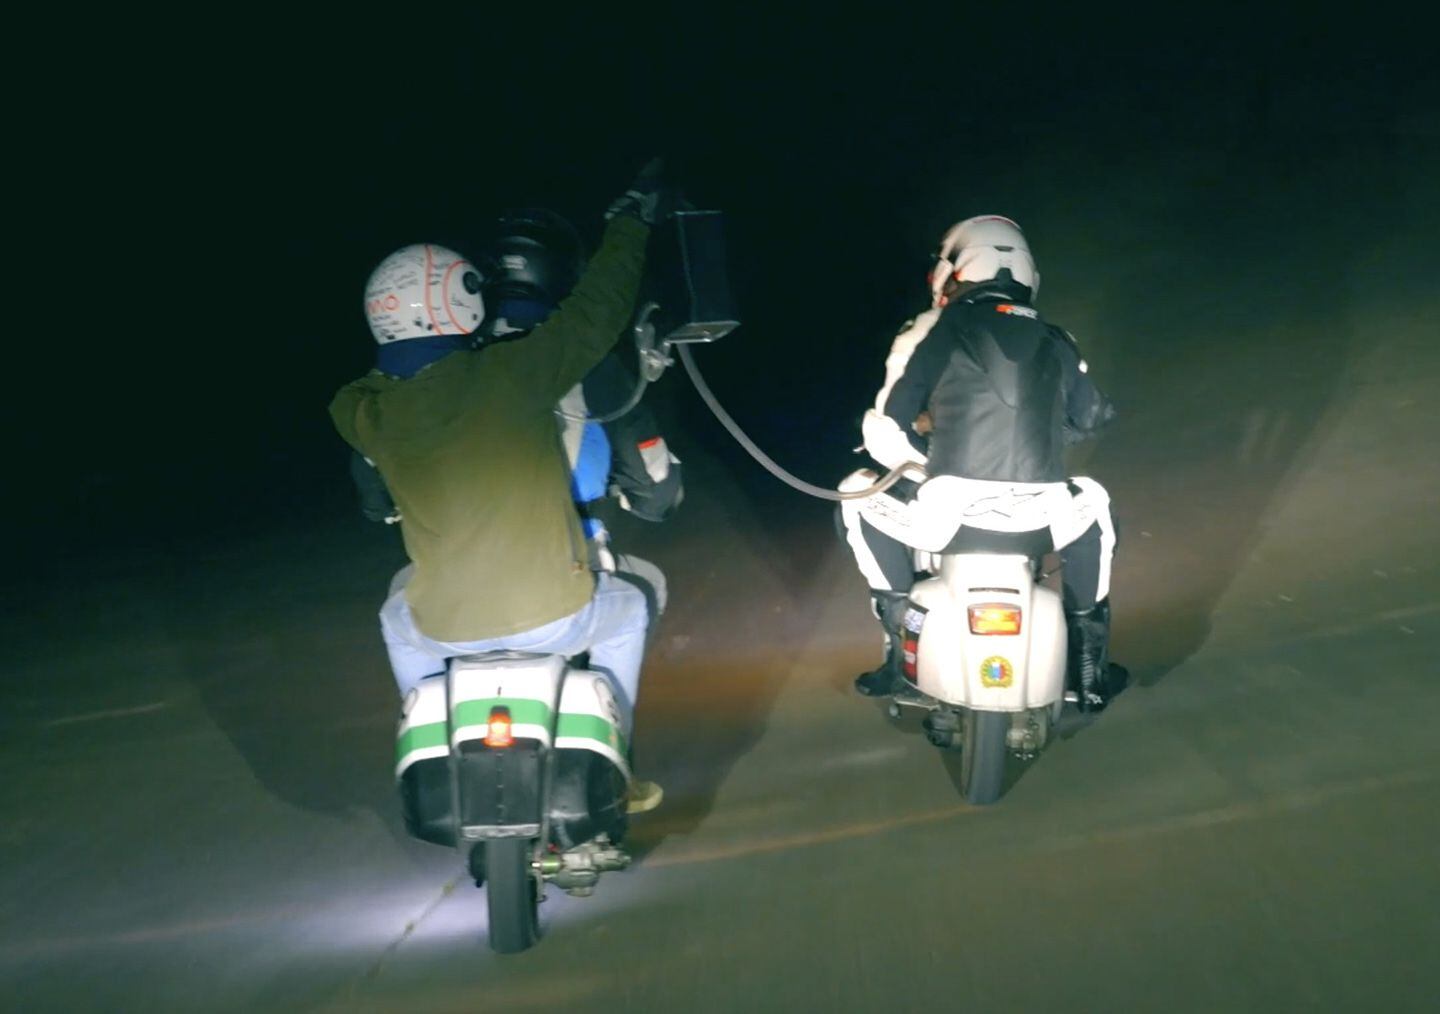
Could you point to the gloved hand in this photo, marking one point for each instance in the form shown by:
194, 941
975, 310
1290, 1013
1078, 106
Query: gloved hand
648, 198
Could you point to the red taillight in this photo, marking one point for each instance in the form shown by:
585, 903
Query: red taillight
910, 655
910, 626
497, 730
995, 619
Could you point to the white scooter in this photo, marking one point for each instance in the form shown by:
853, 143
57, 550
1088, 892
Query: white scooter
984, 652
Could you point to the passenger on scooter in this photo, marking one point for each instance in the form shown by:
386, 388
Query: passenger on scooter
984, 394
469, 447
530, 265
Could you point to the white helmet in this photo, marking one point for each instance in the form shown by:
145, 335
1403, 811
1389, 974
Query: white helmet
977, 250
423, 291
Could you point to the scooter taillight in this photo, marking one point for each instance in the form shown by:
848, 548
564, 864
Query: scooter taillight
910, 641
497, 729
994, 619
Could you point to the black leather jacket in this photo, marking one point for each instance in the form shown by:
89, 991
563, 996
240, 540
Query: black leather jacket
1005, 391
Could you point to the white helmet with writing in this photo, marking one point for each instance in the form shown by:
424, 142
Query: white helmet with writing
423, 291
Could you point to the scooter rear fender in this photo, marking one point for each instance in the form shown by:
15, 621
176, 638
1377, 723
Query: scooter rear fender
988, 672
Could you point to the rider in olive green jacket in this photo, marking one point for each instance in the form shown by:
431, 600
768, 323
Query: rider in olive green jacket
470, 449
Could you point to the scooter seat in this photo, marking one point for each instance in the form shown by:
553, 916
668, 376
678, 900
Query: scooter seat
502, 656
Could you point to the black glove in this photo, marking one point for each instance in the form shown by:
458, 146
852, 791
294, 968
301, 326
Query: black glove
648, 198
375, 501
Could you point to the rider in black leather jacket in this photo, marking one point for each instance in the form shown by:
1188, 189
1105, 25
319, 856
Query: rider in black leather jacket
998, 393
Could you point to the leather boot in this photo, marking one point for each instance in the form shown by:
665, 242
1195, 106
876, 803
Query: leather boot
1095, 680
889, 677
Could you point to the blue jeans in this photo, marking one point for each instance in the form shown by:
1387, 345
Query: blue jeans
611, 626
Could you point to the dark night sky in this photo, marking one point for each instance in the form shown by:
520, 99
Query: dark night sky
838, 150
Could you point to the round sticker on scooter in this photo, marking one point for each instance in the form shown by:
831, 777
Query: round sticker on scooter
996, 672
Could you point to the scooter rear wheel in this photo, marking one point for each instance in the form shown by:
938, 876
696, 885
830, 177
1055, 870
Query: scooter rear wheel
511, 895
983, 756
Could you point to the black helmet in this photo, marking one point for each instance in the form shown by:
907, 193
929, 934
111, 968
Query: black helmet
535, 255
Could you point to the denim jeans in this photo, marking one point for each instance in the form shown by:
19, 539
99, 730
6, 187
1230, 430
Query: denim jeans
611, 627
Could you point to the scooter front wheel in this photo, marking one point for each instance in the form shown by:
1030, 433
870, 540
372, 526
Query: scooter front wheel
512, 895
983, 756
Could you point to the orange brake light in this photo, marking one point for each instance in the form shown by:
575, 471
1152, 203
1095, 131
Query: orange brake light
497, 730
995, 619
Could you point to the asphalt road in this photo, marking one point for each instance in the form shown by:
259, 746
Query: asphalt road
194, 766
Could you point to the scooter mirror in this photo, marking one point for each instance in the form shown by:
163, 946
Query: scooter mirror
689, 280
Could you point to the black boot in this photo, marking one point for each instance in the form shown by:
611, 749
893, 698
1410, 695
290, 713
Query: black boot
889, 677
1094, 679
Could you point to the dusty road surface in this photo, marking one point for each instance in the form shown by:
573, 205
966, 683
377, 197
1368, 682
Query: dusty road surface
194, 766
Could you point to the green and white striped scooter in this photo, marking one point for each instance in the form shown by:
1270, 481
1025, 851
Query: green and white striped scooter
517, 760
